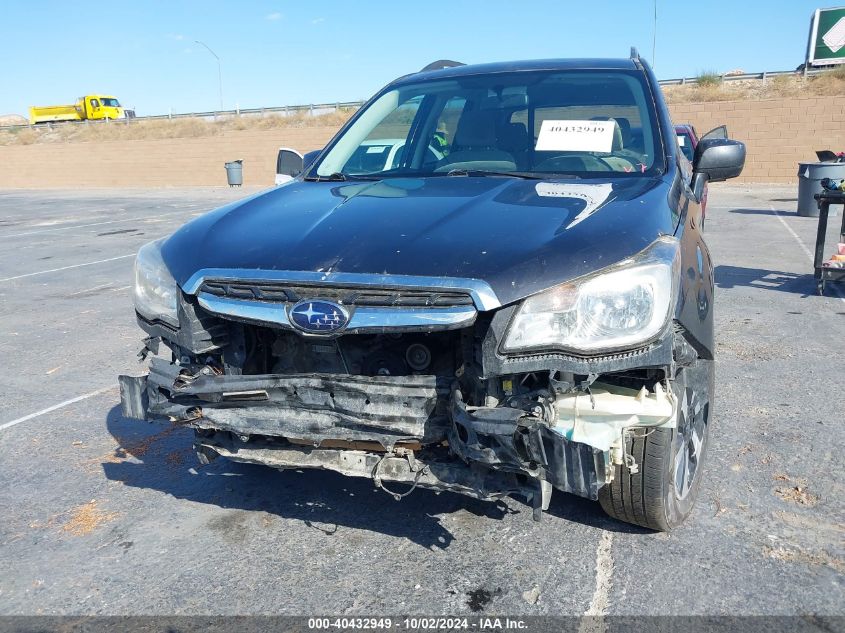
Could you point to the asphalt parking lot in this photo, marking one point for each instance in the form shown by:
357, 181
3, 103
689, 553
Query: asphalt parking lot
104, 515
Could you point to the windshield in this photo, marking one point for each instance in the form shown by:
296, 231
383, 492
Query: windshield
582, 123
110, 103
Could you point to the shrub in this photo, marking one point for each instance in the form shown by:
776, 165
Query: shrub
708, 78
837, 72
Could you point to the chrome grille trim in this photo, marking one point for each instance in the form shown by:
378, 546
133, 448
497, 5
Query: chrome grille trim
482, 294
280, 292
362, 320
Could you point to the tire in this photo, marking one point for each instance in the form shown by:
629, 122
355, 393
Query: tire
663, 491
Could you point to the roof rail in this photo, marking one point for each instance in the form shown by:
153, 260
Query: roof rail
441, 63
635, 54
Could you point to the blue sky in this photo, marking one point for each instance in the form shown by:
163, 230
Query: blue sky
276, 53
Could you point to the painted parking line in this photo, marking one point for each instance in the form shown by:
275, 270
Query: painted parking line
82, 292
594, 621
55, 407
55, 270
82, 226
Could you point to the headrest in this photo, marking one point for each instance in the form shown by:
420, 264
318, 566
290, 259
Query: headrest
476, 129
625, 127
514, 136
617, 132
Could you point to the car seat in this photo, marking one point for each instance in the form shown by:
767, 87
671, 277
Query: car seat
476, 141
514, 139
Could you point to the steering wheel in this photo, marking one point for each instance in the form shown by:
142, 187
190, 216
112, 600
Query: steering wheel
588, 163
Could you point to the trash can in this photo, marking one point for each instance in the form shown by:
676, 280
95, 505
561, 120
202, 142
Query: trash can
235, 173
810, 183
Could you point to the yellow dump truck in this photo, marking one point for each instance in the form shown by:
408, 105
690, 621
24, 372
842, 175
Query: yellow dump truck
94, 107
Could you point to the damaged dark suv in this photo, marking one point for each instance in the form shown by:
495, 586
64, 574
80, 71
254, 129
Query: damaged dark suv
519, 300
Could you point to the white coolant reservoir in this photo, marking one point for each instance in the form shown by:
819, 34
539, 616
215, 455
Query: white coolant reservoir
600, 419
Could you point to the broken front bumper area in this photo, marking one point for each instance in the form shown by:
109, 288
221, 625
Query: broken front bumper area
413, 430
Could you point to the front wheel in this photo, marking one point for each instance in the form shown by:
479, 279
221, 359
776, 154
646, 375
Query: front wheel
662, 493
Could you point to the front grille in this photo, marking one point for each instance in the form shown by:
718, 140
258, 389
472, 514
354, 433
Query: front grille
286, 293
256, 292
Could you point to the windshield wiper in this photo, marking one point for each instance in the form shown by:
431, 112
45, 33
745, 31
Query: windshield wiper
527, 175
340, 177
335, 177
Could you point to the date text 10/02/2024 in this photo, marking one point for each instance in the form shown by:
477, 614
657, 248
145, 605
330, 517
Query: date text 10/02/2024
417, 623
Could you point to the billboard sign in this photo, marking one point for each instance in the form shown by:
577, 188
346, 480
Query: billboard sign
827, 37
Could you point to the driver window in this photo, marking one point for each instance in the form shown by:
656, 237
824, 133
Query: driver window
95, 103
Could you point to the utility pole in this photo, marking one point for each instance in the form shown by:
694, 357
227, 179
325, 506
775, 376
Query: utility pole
219, 69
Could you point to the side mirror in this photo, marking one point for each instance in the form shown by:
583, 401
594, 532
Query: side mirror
288, 165
718, 159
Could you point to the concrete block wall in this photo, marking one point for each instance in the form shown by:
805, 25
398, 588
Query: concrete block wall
779, 133
174, 162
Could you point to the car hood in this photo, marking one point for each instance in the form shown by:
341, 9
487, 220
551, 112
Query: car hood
520, 236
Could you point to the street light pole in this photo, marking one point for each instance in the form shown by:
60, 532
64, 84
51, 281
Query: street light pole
654, 38
219, 70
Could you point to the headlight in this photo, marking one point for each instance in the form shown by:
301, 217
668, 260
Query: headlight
156, 291
618, 307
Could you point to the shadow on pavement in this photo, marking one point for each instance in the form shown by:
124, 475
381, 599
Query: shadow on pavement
322, 500
764, 212
737, 276
586, 512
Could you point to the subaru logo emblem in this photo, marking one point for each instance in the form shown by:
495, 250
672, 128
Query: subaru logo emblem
314, 315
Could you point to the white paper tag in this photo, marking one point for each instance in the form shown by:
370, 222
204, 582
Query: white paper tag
682, 140
376, 149
575, 136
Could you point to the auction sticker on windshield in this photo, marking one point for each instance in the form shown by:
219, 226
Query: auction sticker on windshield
575, 136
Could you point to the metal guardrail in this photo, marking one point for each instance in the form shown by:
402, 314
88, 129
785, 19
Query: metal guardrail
325, 108
746, 76
314, 109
